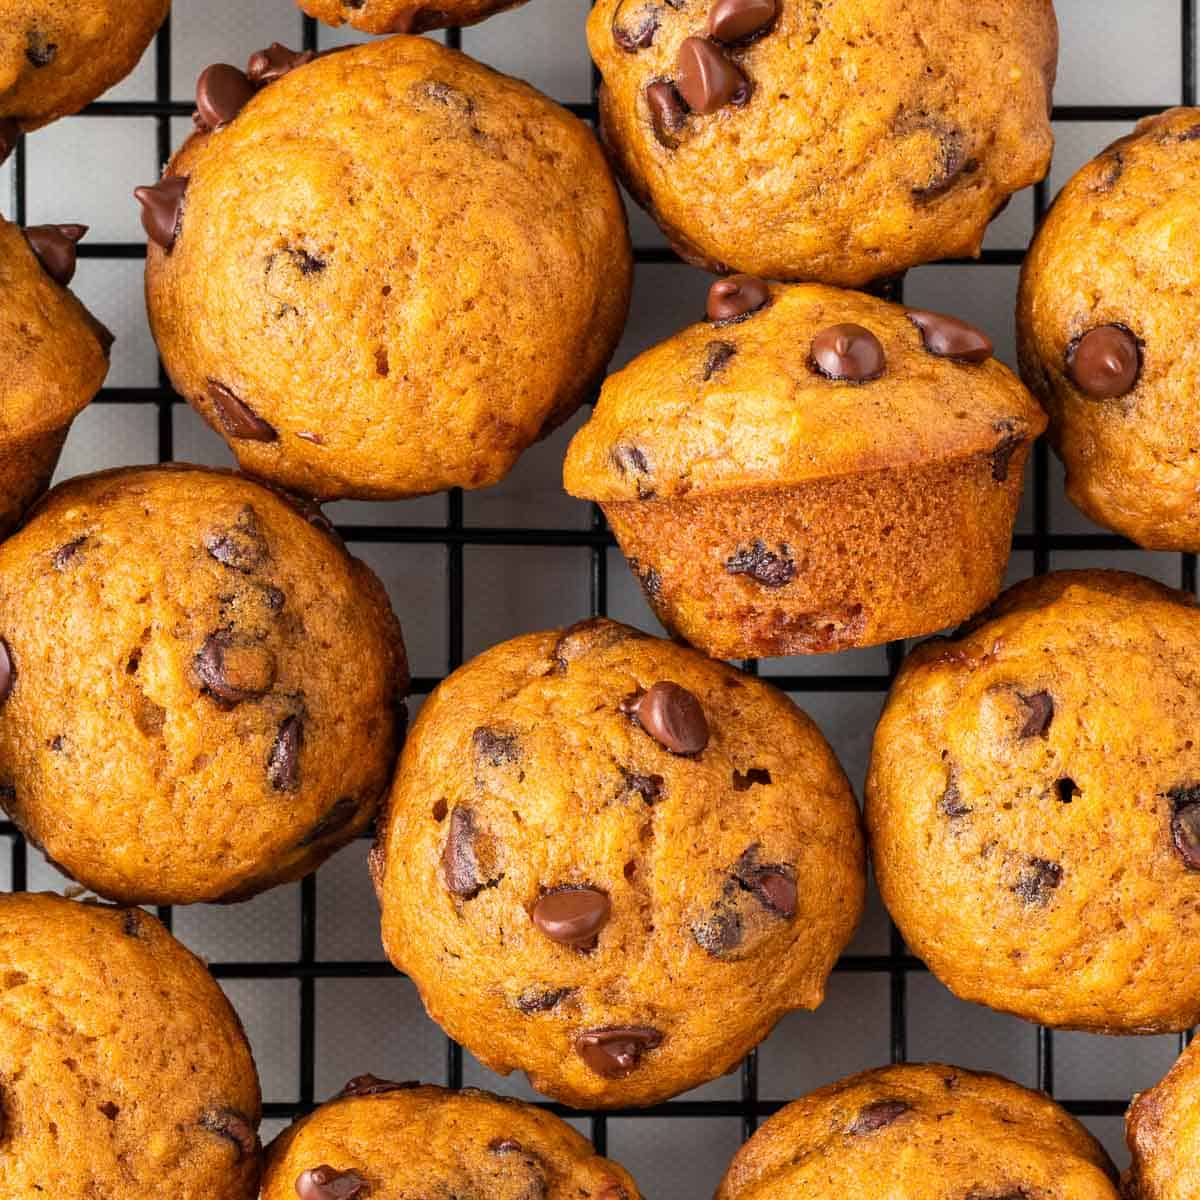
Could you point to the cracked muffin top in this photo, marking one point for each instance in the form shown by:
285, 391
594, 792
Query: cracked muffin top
198, 685
1034, 804
925, 1132
383, 1139
334, 301
123, 1069
1162, 1128
835, 142
786, 384
1108, 307
613, 863
403, 16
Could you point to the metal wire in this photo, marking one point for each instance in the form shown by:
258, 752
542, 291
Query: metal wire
897, 964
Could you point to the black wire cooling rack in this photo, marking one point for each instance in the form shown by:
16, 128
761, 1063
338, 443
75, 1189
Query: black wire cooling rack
454, 535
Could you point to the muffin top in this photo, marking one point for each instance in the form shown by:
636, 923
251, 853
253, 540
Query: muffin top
1163, 1131
614, 863
924, 1132
834, 142
1034, 804
403, 16
123, 1069
349, 315
56, 353
796, 384
398, 1139
197, 685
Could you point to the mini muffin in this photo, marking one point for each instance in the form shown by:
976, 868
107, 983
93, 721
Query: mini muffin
1033, 804
614, 864
400, 1139
924, 1132
809, 470
1109, 303
58, 55
123, 1070
403, 16
333, 299
55, 359
1163, 1131
841, 143
198, 686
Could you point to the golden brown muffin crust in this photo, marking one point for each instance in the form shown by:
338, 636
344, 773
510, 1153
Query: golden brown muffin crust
1162, 1128
867, 136
404, 16
722, 883
1034, 805
200, 700
123, 1070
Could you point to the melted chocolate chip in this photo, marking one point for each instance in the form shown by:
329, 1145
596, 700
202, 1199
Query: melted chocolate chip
1036, 880
772, 884
948, 337
131, 922
716, 355
54, 246
720, 932
635, 31
616, 1051
736, 20
237, 418
668, 112
951, 802
461, 869
162, 209
222, 91
952, 164
266, 66
324, 1183
766, 567
1012, 437
534, 1000
7, 671
847, 352
706, 79
242, 547
756, 775
66, 554
10, 131
337, 818
39, 49
878, 1115
1039, 708
649, 787
232, 670
672, 716
735, 298
1105, 362
1185, 824
495, 748
372, 1085
572, 916
630, 460
234, 1128
283, 761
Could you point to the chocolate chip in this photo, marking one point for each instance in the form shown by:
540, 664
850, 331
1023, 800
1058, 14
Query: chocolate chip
66, 554
756, 775
234, 670
39, 49
847, 352
630, 460
734, 20
636, 33
462, 871
720, 932
1185, 824
7, 671
771, 884
495, 748
672, 716
948, 337
878, 1115
1040, 712
616, 1051
242, 547
266, 66
572, 916
1036, 880
234, 1128
324, 1183
706, 79
1012, 437
951, 165
372, 1085
338, 817
771, 569
131, 922
283, 761
735, 298
668, 113
10, 132
222, 91
162, 209
1105, 362
237, 418
54, 246
716, 355
427, 92
535, 1000
649, 787
951, 802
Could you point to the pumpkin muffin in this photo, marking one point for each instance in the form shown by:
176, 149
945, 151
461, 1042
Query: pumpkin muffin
811, 469
349, 316
1034, 805
54, 362
123, 1070
1163, 1131
198, 686
614, 864
924, 1132
841, 143
58, 55
403, 16
1109, 303
383, 1139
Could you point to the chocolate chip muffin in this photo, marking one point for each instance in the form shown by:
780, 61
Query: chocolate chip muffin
123, 1070
810, 469
198, 685
841, 143
55, 359
1034, 805
614, 864
403, 16
1163, 1131
1109, 302
399, 1139
58, 55
924, 1132
351, 318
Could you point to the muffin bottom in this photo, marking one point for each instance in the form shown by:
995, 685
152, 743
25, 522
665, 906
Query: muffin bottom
26, 466
830, 564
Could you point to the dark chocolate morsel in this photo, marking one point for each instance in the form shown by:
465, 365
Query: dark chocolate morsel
572, 916
951, 802
494, 747
222, 91
67, 553
1012, 437
241, 547
234, 671
40, 51
769, 568
735, 297
952, 164
716, 355
1036, 880
1105, 362
10, 131
672, 716
1039, 707
878, 1115
266, 66
283, 761
1185, 824
234, 1128
668, 112
616, 1051
948, 337
131, 922
630, 460
54, 246
732, 20
649, 787
7, 671
536, 1000
636, 33
720, 932
706, 78
324, 1183
162, 209
461, 869
237, 418
847, 352
772, 884
372, 1085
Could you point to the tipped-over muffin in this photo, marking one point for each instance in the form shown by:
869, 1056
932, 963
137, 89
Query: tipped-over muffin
1162, 1128
811, 469
199, 686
